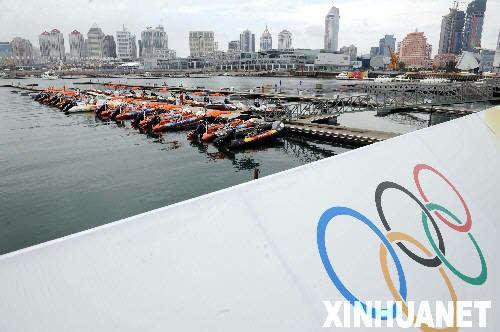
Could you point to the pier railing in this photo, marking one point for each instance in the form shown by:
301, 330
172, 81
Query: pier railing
320, 108
391, 96
386, 98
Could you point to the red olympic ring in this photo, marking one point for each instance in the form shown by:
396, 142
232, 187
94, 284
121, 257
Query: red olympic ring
460, 228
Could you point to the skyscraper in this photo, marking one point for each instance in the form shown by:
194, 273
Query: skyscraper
386, 43
247, 41
201, 43
285, 40
134, 46
108, 47
474, 20
452, 26
154, 42
332, 22
22, 52
57, 49
414, 51
44, 42
266, 41
52, 45
125, 45
95, 38
76, 45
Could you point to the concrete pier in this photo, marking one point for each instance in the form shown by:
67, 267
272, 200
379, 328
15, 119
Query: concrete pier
339, 134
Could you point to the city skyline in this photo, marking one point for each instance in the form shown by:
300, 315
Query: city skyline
304, 20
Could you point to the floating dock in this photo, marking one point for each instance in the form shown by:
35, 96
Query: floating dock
339, 134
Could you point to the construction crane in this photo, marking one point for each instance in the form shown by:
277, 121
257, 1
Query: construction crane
394, 65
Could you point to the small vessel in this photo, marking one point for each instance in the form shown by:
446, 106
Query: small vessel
49, 75
383, 79
342, 76
433, 80
402, 78
221, 107
248, 137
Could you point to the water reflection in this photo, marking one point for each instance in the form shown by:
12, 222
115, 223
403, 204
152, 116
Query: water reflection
239, 164
306, 151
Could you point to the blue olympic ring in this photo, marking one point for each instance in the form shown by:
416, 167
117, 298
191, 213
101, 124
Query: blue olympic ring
325, 219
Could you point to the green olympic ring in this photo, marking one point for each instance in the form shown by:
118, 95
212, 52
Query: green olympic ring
481, 278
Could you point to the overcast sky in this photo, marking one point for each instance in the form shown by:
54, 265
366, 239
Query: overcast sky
362, 22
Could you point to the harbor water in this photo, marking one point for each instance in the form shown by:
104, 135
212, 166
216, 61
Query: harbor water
63, 174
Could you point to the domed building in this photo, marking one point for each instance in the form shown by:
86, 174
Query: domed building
266, 41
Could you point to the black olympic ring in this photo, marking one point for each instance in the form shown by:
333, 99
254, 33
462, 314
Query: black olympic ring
428, 262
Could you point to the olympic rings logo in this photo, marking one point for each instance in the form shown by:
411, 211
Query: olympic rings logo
435, 258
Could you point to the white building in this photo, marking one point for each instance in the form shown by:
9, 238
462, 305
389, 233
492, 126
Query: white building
52, 45
77, 45
332, 22
266, 41
154, 40
201, 43
332, 61
44, 42
95, 38
57, 49
125, 45
154, 43
247, 41
285, 40
379, 62
22, 52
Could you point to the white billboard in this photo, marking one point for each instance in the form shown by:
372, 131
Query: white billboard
411, 219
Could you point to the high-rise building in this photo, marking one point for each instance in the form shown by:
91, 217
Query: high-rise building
414, 51
125, 45
285, 40
154, 43
266, 41
233, 46
95, 38
139, 43
134, 47
76, 45
201, 43
351, 50
5, 51
22, 52
247, 41
332, 22
474, 20
52, 45
452, 27
386, 43
57, 49
109, 47
44, 42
